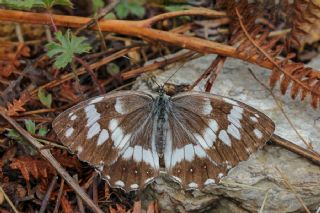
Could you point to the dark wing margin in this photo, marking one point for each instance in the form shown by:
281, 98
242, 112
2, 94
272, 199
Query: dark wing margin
113, 133
210, 134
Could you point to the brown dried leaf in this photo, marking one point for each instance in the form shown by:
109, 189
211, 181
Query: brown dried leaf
18, 105
152, 207
66, 205
137, 207
274, 78
36, 167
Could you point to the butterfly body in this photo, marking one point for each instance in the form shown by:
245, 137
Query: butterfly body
193, 137
161, 118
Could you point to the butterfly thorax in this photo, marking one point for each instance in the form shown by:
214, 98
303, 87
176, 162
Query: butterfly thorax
161, 114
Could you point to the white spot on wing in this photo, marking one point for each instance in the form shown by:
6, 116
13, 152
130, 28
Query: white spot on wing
137, 153
73, 117
147, 157
254, 119
113, 124
201, 141
209, 181
149, 180
69, 132
235, 116
234, 131
169, 155
230, 101
92, 115
119, 183
117, 136
189, 152
79, 149
96, 100
199, 151
223, 136
128, 153
258, 133
94, 130
103, 137
124, 141
209, 136
119, 106
220, 175
175, 178
134, 186
193, 185
213, 125
177, 156
207, 108
236, 112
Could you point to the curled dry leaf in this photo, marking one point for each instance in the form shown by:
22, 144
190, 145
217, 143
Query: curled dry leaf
18, 105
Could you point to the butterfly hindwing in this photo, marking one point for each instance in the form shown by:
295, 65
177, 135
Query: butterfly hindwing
210, 134
112, 133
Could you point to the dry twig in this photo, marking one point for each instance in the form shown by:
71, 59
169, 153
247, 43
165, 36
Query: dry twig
48, 156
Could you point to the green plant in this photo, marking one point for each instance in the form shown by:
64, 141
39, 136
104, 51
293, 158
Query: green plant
66, 48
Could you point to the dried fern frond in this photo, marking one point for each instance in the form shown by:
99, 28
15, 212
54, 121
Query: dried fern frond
252, 38
305, 23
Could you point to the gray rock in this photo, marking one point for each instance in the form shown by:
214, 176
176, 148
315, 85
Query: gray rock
273, 174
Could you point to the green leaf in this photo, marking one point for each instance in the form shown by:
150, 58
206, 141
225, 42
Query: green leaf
126, 7
45, 98
122, 10
19, 4
137, 9
97, 4
113, 69
31, 126
28, 4
50, 3
14, 135
173, 8
65, 49
42, 131
111, 16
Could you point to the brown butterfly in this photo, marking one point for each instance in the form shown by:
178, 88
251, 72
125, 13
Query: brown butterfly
194, 137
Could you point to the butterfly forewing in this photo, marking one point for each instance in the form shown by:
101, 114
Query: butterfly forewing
113, 133
210, 134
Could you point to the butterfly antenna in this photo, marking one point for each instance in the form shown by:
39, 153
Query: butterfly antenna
174, 73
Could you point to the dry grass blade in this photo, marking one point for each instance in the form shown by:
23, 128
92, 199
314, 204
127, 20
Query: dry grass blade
264, 201
289, 185
8, 200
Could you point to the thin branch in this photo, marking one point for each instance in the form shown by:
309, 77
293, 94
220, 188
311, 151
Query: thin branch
48, 194
82, 71
57, 206
48, 156
90, 71
308, 154
99, 16
137, 29
8, 200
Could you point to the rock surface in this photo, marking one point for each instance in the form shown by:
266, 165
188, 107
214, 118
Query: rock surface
273, 174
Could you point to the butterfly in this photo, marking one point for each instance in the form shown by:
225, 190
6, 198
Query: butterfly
131, 137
